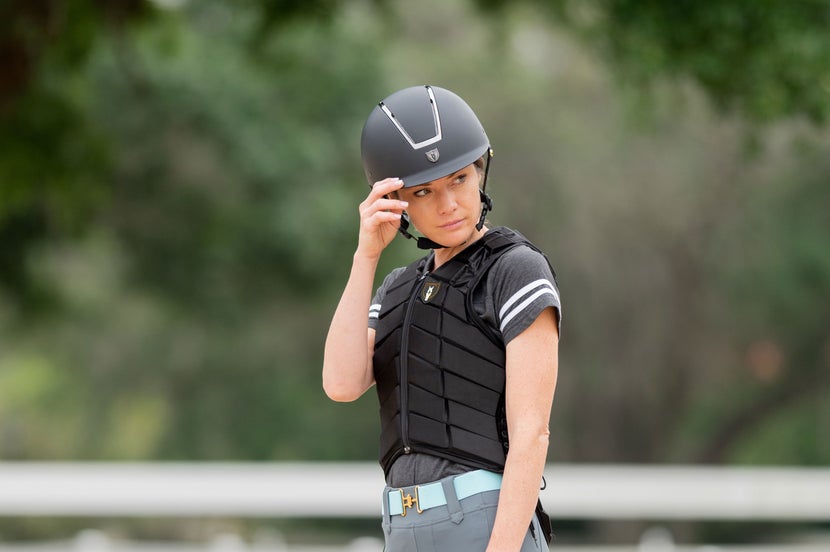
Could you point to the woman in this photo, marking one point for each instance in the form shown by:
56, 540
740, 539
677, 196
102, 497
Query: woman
462, 343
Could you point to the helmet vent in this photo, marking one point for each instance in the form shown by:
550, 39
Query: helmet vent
424, 143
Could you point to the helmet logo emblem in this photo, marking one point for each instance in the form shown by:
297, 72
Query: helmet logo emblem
433, 155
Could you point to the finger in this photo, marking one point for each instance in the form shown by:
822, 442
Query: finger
382, 217
387, 216
385, 186
381, 189
368, 208
385, 204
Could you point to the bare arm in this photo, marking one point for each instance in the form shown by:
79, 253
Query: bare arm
532, 364
347, 366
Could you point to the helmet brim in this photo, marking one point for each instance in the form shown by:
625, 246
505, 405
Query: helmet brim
446, 168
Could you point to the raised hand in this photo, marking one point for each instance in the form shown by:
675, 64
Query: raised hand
380, 217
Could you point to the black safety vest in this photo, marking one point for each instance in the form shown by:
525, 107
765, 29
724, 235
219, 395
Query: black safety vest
439, 369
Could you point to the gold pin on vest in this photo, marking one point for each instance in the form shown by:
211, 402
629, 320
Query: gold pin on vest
429, 291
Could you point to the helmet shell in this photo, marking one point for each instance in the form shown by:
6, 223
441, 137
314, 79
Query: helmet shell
419, 134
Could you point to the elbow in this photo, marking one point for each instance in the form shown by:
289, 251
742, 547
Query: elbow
338, 394
339, 391
531, 440
539, 440
345, 382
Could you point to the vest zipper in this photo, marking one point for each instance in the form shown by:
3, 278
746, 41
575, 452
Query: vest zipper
404, 386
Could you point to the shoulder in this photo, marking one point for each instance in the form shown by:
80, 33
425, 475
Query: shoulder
377, 300
522, 283
520, 249
392, 276
524, 253
521, 263
387, 282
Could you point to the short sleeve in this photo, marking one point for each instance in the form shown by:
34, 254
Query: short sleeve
522, 285
377, 300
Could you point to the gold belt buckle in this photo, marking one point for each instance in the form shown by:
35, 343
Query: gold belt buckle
408, 500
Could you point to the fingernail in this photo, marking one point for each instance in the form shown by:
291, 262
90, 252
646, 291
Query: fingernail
405, 203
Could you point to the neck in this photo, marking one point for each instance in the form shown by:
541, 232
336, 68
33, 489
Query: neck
441, 256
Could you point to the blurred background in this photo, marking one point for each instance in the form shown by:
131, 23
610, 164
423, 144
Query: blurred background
179, 182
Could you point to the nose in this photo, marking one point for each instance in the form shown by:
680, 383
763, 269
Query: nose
447, 202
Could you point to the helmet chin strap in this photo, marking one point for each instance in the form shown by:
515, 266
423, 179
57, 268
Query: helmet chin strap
423, 242
486, 206
486, 202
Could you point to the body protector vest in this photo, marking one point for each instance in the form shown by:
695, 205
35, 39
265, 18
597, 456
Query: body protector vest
440, 369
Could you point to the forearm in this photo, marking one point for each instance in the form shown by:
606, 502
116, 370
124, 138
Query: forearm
346, 373
520, 490
532, 368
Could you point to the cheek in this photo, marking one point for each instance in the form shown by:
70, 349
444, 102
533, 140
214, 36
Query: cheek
416, 210
472, 196
420, 214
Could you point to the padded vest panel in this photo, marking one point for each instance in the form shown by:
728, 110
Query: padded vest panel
445, 395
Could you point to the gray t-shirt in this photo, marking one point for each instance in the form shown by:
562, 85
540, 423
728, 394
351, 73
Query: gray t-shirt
518, 287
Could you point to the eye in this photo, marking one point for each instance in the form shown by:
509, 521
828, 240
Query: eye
460, 179
421, 193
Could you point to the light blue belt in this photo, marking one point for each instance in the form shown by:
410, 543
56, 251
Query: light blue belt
432, 494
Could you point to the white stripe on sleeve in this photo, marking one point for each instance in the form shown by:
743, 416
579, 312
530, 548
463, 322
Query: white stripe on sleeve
506, 314
521, 293
374, 311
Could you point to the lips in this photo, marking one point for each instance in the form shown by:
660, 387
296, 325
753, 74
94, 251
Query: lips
452, 224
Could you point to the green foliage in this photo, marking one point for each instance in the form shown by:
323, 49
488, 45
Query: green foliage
777, 284
765, 60
794, 436
53, 162
231, 164
36, 404
178, 303
52, 165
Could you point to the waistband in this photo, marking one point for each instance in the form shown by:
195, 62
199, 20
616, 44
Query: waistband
431, 495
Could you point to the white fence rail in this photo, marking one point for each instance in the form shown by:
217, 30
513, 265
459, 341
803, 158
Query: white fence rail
352, 490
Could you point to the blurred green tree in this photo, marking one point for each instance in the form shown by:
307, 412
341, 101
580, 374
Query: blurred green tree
177, 185
765, 60
217, 224
52, 161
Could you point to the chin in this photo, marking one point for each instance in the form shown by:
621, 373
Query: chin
455, 238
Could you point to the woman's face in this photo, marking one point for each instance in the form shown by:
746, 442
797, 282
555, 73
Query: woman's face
446, 210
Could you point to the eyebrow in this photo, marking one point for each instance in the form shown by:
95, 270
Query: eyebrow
428, 184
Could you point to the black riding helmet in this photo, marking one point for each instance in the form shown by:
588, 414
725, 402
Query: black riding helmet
419, 134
